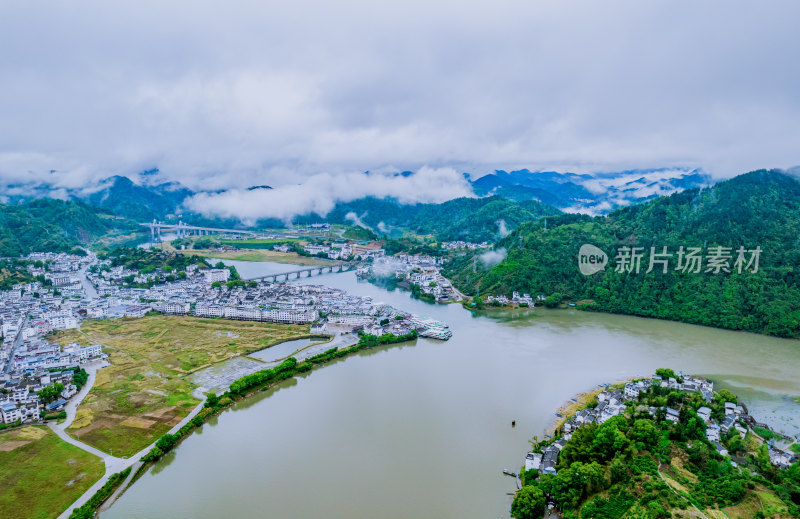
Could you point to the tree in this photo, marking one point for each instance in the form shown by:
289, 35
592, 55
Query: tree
528, 503
645, 434
726, 396
50, 393
212, 400
666, 373
553, 300
619, 470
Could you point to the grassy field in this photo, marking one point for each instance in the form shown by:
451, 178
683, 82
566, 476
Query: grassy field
144, 392
257, 243
40, 474
261, 255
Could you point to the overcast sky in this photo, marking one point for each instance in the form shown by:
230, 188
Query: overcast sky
230, 94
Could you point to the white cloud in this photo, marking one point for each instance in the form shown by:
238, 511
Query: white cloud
319, 193
353, 217
502, 229
493, 257
263, 93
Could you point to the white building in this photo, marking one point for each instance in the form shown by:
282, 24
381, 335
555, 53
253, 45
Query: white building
90, 352
214, 275
63, 322
533, 461
10, 413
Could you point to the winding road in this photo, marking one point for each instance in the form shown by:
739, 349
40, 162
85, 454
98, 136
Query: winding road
113, 464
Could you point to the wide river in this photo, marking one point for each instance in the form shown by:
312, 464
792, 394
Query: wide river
424, 429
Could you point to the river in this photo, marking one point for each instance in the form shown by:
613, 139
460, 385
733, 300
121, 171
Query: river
423, 429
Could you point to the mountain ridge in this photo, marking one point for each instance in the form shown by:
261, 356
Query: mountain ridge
756, 209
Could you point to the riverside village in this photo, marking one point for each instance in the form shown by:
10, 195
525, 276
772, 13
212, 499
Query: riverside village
38, 377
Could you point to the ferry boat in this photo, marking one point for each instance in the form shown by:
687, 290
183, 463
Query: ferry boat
431, 328
436, 333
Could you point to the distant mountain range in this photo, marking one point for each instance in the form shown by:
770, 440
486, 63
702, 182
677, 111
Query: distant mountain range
597, 193
151, 197
471, 219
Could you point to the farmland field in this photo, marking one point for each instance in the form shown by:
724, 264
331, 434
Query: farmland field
42, 474
145, 390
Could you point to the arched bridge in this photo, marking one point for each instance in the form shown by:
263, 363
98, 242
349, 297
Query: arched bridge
309, 271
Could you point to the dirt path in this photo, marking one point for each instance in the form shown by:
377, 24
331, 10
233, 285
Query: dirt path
679, 494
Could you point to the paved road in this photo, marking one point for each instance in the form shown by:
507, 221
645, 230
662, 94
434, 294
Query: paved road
91, 292
112, 463
17, 342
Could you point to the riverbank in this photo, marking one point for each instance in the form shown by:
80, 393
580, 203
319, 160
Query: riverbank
240, 390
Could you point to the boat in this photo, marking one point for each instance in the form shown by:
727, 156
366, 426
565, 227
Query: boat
436, 333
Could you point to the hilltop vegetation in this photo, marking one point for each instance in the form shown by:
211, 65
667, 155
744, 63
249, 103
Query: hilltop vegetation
53, 226
473, 219
640, 465
758, 209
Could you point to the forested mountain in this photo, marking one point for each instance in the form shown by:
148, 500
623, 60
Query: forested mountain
758, 209
472, 219
125, 198
53, 226
596, 193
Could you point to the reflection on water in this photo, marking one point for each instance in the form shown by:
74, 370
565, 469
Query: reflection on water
424, 429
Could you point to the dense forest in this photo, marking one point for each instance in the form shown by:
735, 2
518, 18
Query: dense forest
141, 203
758, 209
641, 465
52, 226
471, 219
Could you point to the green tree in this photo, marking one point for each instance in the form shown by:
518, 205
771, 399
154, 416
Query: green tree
553, 300
528, 503
666, 373
50, 393
645, 433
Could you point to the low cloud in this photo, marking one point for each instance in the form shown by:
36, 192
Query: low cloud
353, 217
493, 257
502, 229
386, 267
320, 193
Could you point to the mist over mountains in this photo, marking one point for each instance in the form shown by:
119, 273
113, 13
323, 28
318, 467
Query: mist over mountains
151, 196
597, 193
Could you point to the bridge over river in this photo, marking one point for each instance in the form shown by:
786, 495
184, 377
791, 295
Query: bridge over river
183, 230
308, 271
